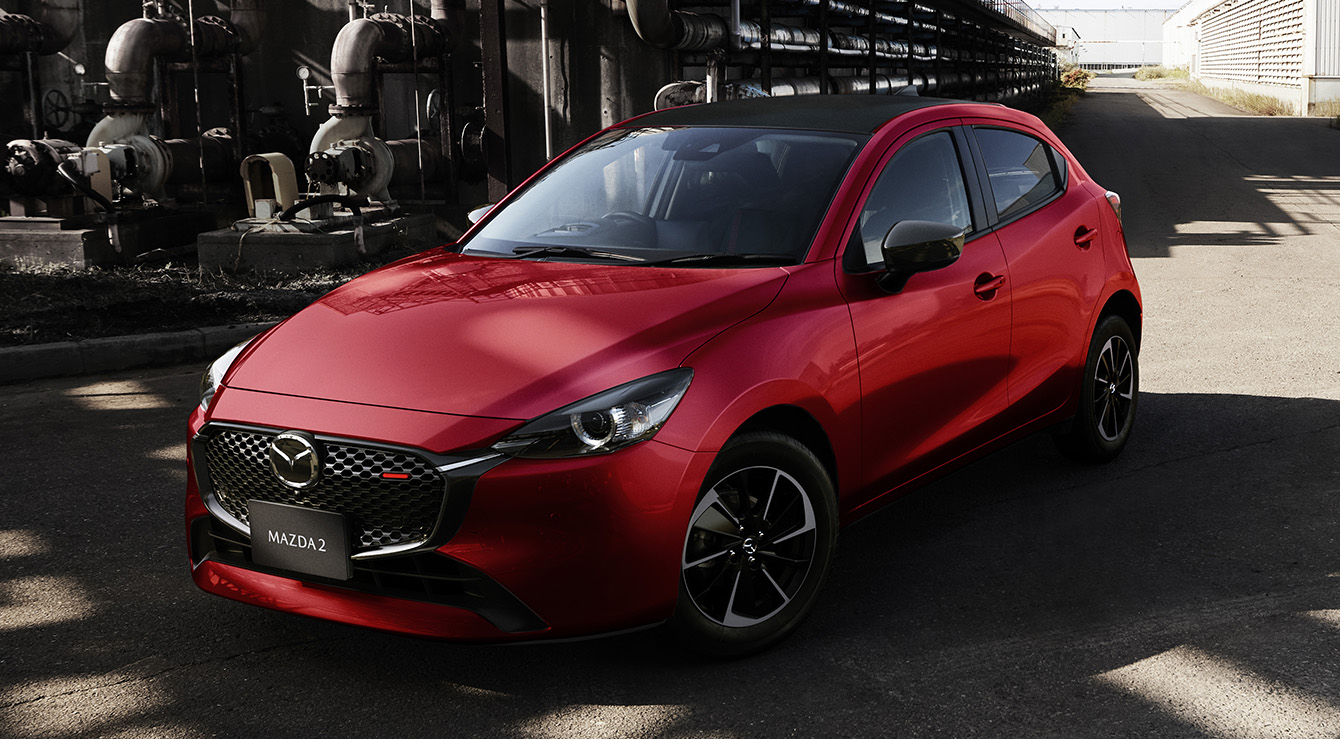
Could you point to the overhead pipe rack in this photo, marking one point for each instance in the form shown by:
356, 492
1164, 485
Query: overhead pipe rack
987, 49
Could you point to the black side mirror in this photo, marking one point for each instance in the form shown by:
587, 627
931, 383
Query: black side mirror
918, 246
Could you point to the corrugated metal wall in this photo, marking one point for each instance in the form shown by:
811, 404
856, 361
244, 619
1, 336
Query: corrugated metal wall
1255, 42
1327, 38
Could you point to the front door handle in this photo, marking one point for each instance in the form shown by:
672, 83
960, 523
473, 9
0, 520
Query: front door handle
986, 285
1085, 236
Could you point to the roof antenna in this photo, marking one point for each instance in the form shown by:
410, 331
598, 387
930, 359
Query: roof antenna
910, 91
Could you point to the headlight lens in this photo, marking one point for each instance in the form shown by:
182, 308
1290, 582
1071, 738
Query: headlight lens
604, 422
213, 377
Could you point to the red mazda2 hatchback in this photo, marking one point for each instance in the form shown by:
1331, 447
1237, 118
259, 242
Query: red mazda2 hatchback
654, 382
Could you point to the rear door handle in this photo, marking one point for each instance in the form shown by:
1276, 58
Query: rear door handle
987, 285
1085, 236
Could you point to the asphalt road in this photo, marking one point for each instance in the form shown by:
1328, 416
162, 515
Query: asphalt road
1190, 589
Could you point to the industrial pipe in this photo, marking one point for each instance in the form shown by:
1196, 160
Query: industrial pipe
130, 56
661, 27
345, 150
47, 33
391, 36
690, 92
248, 19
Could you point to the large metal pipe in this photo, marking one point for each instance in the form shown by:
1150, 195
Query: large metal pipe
131, 53
690, 92
659, 26
348, 134
391, 36
248, 19
134, 46
45, 32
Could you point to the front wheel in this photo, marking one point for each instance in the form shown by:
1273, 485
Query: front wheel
759, 545
1109, 394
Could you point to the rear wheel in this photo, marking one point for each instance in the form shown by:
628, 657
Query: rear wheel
1109, 395
759, 544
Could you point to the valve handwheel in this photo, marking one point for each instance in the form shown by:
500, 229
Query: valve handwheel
55, 109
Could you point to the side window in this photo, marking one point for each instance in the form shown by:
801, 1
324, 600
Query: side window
1020, 169
923, 182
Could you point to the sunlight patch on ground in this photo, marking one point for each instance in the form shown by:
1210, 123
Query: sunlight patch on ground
1253, 228
1224, 699
127, 395
78, 706
601, 721
40, 601
173, 453
1308, 199
15, 543
1329, 617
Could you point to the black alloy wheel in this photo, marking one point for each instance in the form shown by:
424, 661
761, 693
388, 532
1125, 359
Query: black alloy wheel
1109, 395
759, 544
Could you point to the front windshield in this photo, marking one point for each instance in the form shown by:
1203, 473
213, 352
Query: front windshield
677, 195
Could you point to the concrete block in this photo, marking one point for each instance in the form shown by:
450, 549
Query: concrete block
19, 363
75, 248
290, 252
124, 352
64, 242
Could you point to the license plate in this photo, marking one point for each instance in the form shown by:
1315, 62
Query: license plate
299, 539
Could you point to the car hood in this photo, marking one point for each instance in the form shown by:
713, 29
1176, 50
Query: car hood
498, 338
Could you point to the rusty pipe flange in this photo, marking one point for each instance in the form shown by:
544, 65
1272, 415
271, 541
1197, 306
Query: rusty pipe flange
115, 108
416, 33
349, 111
20, 34
322, 168
215, 36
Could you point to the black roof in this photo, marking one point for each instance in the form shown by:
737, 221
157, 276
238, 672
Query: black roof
842, 113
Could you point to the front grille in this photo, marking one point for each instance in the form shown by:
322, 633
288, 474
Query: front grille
424, 576
381, 512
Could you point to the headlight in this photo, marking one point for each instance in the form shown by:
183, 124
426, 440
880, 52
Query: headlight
604, 422
213, 376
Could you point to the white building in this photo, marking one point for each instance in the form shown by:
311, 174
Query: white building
1109, 39
1287, 49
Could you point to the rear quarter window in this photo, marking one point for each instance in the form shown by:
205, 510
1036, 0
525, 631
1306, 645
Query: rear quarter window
1023, 171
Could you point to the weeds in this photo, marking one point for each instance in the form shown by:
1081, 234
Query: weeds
1161, 72
40, 304
1248, 102
1076, 78
1057, 107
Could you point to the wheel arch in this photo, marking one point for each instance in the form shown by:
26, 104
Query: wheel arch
1123, 303
799, 424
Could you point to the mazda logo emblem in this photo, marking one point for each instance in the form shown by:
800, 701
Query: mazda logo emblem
295, 460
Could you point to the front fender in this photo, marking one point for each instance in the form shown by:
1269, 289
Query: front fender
799, 352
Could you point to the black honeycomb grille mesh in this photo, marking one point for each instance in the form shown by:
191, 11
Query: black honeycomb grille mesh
381, 512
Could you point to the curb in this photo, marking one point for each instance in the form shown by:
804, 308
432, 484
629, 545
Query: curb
67, 358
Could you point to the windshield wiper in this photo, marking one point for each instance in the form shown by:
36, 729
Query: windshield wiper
725, 260
522, 252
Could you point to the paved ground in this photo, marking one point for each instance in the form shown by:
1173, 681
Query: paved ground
1190, 589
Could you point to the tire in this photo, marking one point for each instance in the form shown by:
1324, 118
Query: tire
1109, 395
758, 546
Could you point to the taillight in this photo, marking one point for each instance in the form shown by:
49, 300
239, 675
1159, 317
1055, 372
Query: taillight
1114, 200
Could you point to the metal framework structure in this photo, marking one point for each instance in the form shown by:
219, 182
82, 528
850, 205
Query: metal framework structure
988, 50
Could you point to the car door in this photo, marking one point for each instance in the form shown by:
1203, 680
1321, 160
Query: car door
932, 358
1049, 232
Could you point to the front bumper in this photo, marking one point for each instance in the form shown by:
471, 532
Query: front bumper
536, 549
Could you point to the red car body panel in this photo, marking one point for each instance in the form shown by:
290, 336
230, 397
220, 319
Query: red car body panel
595, 532
448, 354
497, 338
